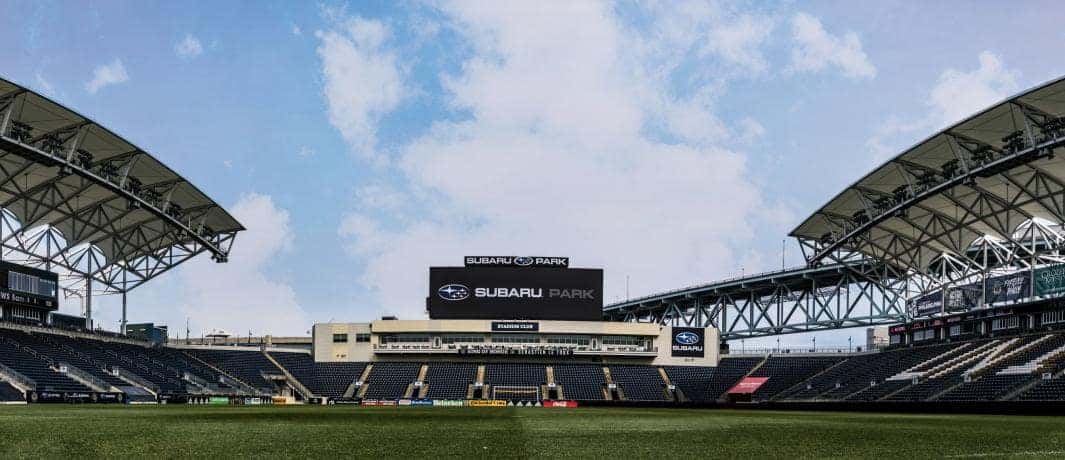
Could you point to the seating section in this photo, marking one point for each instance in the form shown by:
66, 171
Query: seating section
37, 369
729, 371
999, 368
248, 366
639, 383
692, 381
323, 379
449, 380
58, 349
9, 393
785, 371
580, 382
390, 380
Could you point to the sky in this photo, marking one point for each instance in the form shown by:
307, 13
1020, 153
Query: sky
671, 143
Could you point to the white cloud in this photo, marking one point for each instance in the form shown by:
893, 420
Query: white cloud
107, 75
44, 86
305, 152
959, 94
815, 49
956, 95
555, 159
239, 295
362, 80
740, 42
188, 48
750, 130
296, 30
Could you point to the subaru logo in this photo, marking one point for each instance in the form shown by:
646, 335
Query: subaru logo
453, 292
687, 338
523, 261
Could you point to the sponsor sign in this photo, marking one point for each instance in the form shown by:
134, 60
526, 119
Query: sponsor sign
515, 293
1050, 280
371, 402
963, 298
511, 326
487, 403
1008, 288
516, 261
560, 403
218, 401
927, 305
748, 385
448, 403
688, 342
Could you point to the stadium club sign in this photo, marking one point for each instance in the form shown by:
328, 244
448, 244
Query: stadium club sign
510, 326
507, 261
927, 305
688, 342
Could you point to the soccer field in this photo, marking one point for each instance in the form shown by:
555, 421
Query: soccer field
342, 431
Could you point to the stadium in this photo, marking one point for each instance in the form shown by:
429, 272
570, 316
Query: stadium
950, 257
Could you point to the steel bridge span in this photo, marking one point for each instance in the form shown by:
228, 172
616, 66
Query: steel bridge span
789, 301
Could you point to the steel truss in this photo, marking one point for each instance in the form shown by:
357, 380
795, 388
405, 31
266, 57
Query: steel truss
857, 293
1010, 236
106, 248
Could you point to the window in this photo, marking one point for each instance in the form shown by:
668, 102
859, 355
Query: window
452, 339
629, 340
515, 338
1011, 322
362, 338
30, 284
1051, 317
568, 340
340, 338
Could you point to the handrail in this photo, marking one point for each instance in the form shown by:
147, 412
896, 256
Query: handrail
17, 377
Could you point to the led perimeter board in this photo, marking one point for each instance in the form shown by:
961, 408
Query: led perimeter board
515, 292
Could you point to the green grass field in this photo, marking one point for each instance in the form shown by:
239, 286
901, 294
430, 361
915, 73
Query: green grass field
60, 431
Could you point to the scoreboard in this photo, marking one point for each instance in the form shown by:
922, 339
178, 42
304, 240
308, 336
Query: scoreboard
534, 288
28, 287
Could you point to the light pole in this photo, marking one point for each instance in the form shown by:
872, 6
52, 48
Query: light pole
815, 344
849, 344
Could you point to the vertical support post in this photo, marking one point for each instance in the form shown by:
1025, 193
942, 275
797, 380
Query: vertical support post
88, 302
123, 326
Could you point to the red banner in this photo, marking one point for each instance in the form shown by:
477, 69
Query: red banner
748, 385
560, 403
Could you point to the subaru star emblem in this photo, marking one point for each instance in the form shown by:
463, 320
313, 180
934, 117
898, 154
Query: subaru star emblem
453, 292
687, 338
523, 261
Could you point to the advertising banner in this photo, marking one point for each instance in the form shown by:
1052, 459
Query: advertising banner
421, 402
487, 403
748, 385
688, 342
1050, 280
448, 403
560, 403
1008, 288
926, 305
515, 293
964, 298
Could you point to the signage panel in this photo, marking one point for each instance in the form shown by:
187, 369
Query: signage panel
688, 342
515, 293
514, 326
1008, 288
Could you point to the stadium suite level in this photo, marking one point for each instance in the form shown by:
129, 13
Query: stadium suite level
480, 340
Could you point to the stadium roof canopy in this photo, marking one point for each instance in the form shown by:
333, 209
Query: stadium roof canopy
76, 197
991, 179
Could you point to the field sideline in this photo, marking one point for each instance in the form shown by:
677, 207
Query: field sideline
302, 431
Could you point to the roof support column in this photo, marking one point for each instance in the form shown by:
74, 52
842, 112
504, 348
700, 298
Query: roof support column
88, 303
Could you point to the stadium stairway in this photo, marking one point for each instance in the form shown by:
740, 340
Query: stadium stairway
224, 377
9, 393
290, 379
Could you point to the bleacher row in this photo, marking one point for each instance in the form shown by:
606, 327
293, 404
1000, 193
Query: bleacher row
1029, 367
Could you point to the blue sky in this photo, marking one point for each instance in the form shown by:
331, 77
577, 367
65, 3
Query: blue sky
670, 142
